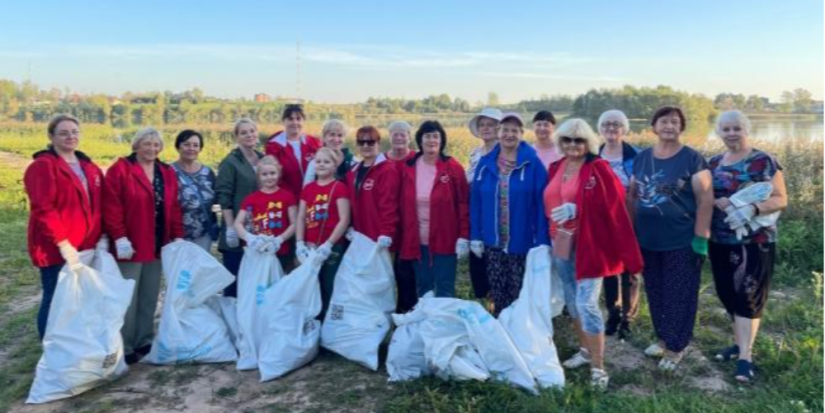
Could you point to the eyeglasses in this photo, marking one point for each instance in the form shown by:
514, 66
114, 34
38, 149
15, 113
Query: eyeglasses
366, 142
576, 141
612, 125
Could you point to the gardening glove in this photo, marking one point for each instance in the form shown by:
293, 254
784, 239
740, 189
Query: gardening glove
253, 241
69, 254
563, 213
322, 253
700, 245
477, 247
350, 234
124, 248
737, 218
384, 241
232, 240
462, 248
102, 244
301, 251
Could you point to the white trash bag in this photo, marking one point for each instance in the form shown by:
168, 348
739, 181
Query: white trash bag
227, 308
291, 331
406, 359
528, 320
363, 298
190, 331
447, 347
259, 272
82, 345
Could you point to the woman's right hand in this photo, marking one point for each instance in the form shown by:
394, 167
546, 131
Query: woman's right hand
124, 248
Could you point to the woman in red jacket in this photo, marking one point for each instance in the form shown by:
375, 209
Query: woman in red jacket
592, 237
64, 188
373, 188
141, 214
435, 212
293, 149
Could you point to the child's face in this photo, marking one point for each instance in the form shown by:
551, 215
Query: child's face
324, 166
268, 176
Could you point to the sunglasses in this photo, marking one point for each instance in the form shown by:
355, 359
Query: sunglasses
577, 141
366, 142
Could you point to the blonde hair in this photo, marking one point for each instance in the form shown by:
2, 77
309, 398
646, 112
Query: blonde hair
243, 121
267, 160
336, 157
577, 128
144, 134
333, 124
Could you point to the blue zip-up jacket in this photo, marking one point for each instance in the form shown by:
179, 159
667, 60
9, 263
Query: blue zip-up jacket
629, 153
528, 223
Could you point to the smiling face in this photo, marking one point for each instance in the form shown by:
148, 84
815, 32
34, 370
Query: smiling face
294, 124
733, 134
612, 130
324, 165
509, 135
334, 139
487, 129
543, 130
268, 176
66, 136
431, 143
668, 127
400, 139
573, 147
190, 149
148, 149
247, 136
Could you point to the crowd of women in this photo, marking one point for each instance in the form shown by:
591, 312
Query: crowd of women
614, 215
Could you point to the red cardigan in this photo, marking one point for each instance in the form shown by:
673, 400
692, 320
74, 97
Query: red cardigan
605, 241
375, 204
292, 170
449, 208
60, 207
129, 207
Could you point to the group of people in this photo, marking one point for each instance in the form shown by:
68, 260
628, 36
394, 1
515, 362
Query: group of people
614, 215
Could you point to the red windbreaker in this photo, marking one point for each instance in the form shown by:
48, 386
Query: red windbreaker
292, 170
449, 209
606, 244
398, 164
60, 207
129, 207
375, 203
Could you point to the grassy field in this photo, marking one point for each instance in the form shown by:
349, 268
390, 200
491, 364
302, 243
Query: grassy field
789, 352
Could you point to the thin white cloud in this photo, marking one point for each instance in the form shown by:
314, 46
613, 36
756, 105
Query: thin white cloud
549, 76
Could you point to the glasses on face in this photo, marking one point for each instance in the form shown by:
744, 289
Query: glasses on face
612, 125
576, 141
366, 142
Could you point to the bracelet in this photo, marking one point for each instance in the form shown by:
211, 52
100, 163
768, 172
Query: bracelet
755, 210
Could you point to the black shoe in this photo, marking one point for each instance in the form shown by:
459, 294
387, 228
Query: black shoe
131, 359
728, 354
143, 351
624, 331
611, 326
744, 371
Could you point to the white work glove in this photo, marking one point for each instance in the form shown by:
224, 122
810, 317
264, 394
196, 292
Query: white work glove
563, 213
462, 248
322, 253
737, 218
384, 241
69, 254
102, 244
178, 240
232, 240
477, 247
253, 241
301, 251
124, 248
350, 234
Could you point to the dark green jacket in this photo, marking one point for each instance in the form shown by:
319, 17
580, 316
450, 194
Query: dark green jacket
236, 180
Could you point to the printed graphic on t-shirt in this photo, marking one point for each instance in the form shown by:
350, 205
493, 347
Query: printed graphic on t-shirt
318, 211
269, 221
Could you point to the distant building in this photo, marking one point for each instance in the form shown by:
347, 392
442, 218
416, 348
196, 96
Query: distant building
262, 98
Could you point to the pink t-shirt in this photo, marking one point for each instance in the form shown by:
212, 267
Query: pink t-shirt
559, 192
547, 156
424, 180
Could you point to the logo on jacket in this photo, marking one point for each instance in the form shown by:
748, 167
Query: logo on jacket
445, 179
368, 184
591, 183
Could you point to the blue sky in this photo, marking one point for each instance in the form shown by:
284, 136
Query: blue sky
351, 50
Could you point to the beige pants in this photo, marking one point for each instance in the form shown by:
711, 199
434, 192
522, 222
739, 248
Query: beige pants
139, 326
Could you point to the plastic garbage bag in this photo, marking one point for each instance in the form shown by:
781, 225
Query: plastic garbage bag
405, 358
227, 308
528, 320
82, 345
190, 331
259, 272
363, 298
753, 194
291, 332
447, 347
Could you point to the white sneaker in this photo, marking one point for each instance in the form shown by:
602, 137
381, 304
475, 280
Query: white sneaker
579, 359
654, 350
599, 379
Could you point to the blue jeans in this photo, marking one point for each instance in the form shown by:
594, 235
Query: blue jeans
581, 296
436, 272
48, 277
232, 262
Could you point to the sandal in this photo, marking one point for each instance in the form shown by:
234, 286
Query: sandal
744, 371
670, 361
728, 354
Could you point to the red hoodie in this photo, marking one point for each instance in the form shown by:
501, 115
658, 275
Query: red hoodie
375, 203
605, 241
129, 207
292, 171
60, 207
449, 209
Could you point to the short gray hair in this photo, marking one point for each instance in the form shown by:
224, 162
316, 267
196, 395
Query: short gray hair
733, 116
614, 114
243, 121
334, 124
400, 125
577, 128
145, 134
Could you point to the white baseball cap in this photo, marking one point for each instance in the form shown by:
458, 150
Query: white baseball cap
491, 113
